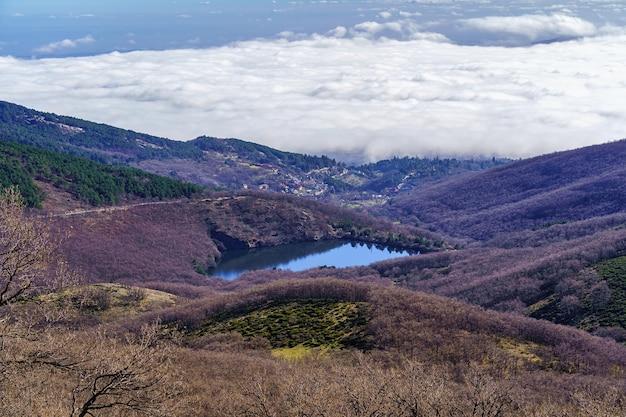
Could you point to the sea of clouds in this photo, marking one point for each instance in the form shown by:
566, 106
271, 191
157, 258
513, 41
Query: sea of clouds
533, 84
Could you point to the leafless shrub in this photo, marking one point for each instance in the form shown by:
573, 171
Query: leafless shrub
91, 298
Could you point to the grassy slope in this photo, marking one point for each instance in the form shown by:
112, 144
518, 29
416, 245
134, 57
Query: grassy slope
308, 322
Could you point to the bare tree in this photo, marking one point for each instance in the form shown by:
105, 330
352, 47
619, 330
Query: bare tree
93, 374
484, 395
421, 391
25, 248
122, 376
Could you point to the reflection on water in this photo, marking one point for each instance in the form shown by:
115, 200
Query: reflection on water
301, 256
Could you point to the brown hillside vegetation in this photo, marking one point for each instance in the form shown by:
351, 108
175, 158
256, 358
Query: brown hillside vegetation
171, 243
523, 267
499, 277
544, 237
136, 244
560, 187
418, 324
426, 356
278, 343
530, 229
175, 241
516, 274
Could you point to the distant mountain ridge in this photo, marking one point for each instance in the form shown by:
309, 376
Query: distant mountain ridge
220, 163
112, 145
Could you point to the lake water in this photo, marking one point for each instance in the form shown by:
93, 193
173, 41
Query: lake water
301, 256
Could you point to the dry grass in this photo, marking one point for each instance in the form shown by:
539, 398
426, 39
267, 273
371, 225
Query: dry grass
109, 302
301, 353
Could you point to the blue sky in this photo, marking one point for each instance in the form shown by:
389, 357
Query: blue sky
27, 27
359, 79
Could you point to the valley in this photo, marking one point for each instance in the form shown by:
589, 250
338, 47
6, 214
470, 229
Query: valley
514, 306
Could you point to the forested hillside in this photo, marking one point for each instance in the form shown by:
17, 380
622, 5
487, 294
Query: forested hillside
86, 180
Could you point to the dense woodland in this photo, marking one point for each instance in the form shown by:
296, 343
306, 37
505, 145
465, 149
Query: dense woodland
86, 180
516, 305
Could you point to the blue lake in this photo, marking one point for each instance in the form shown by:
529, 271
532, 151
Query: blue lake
304, 255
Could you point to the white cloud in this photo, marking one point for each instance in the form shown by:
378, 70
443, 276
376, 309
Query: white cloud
409, 14
326, 94
533, 28
399, 29
338, 32
64, 44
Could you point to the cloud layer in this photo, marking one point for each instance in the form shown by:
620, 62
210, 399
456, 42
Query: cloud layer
348, 91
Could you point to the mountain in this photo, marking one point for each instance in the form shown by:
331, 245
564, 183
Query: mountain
121, 224
529, 227
225, 163
538, 192
543, 236
552, 271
